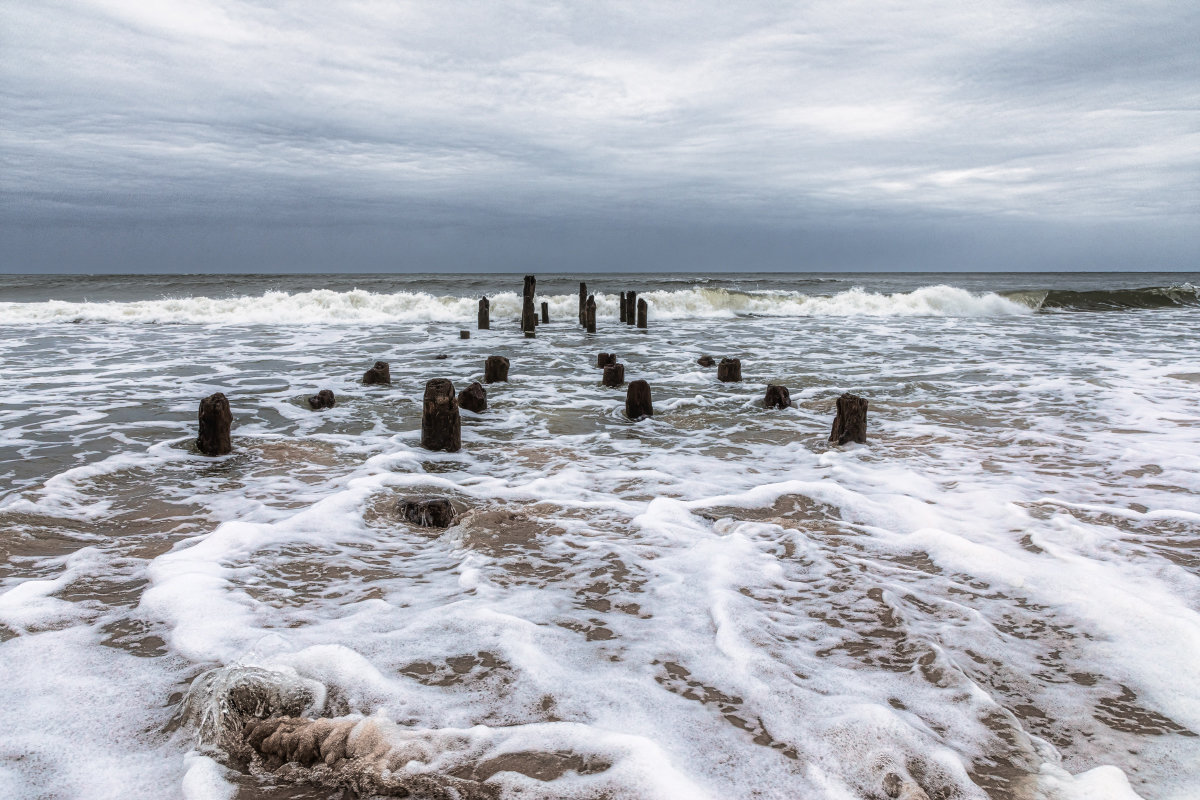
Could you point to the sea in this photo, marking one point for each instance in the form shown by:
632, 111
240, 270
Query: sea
997, 595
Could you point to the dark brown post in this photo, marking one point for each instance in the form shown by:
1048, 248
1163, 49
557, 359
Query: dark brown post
495, 369
428, 512
545, 313
485, 314
706, 361
464, 334
215, 419
777, 397
380, 373
441, 428
321, 400
729, 370
614, 375
642, 312
528, 314
630, 308
473, 398
589, 314
637, 401
583, 295
604, 359
850, 423
623, 307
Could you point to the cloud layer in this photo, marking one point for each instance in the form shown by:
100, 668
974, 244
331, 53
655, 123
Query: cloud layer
929, 128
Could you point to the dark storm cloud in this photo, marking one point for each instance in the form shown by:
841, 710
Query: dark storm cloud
920, 132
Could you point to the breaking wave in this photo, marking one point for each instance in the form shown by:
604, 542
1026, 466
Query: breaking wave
358, 306
1184, 294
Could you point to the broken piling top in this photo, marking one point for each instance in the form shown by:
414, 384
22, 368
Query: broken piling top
589, 314
441, 427
637, 401
495, 369
381, 373
322, 400
215, 420
614, 375
643, 311
850, 422
604, 359
729, 370
485, 314
777, 397
473, 398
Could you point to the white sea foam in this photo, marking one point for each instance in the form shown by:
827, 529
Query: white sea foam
324, 306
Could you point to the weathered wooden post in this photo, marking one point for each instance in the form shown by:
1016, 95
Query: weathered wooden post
850, 423
464, 334
630, 308
729, 370
614, 375
528, 314
624, 309
589, 314
428, 512
545, 313
642, 312
495, 369
380, 373
706, 361
441, 427
604, 359
637, 401
473, 398
485, 314
215, 420
777, 397
583, 295
322, 400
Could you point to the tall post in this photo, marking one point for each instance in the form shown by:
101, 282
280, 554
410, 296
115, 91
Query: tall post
589, 314
215, 419
485, 314
545, 313
630, 308
440, 422
582, 302
528, 314
850, 423
623, 307
643, 311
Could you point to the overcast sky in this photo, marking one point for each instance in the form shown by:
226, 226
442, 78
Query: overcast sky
212, 135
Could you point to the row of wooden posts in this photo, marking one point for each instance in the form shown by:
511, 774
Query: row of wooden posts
440, 422
634, 310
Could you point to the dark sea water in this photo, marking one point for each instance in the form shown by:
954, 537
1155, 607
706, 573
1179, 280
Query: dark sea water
998, 596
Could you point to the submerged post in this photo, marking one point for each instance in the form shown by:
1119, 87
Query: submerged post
380, 373
495, 369
642, 312
215, 420
850, 422
589, 314
604, 359
322, 400
441, 427
729, 370
485, 314
614, 375
637, 401
473, 398
777, 397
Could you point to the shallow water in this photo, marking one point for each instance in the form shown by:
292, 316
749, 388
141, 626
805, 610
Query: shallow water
998, 596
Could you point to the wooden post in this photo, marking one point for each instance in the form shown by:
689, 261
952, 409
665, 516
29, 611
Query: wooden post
380, 373
428, 512
624, 309
441, 427
589, 314
614, 375
777, 397
706, 361
604, 359
464, 334
729, 370
630, 308
528, 314
545, 313
850, 423
495, 369
322, 400
583, 295
637, 401
473, 398
215, 420
485, 314
642, 312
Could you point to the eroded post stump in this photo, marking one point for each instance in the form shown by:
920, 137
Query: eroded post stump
630, 308
604, 359
441, 428
322, 400
215, 419
428, 512
380, 373
850, 423
642, 312
614, 375
777, 397
464, 334
624, 309
473, 398
637, 401
495, 369
706, 361
545, 313
485, 314
589, 314
583, 295
729, 370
